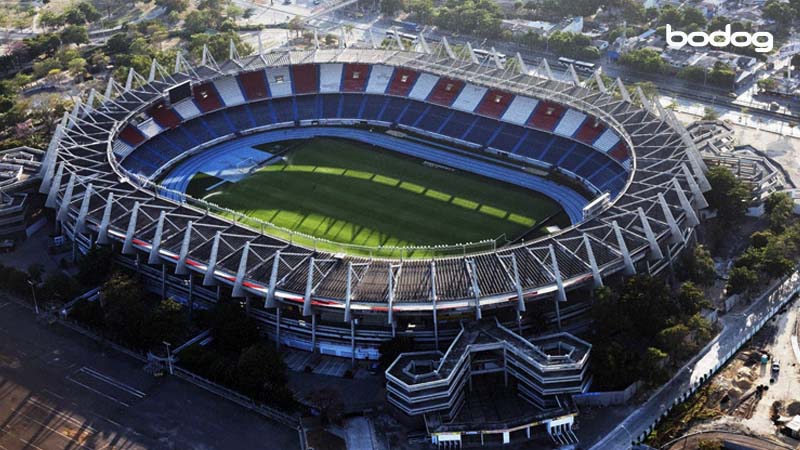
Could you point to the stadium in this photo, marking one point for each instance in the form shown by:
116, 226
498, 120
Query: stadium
486, 191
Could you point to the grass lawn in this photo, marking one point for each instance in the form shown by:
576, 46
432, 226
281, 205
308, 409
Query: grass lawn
352, 193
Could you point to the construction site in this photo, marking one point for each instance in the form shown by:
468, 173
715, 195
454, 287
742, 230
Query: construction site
751, 402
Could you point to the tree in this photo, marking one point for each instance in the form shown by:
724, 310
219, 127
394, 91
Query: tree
728, 195
261, 374
707, 444
781, 13
779, 207
698, 266
232, 329
710, 113
741, 279
675, 341
691, 299
126, 314
646, 60
391, 7
652, 366
77, 66
329, 403
167, 322
75, 34
173, 5
423, 11
94, 268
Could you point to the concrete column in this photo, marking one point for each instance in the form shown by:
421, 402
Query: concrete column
102, 233
691, 217
127, 246
675, 231
163, 281
561, 294
63, 209
623, 248
208, 279
191, 295
655, 250
55, 185
307, 310
313, 333
587, 243
278, 326
390, 299
517, 285
273, 280
238, 291
348, 293
155, 257
697, 194
80, 222
476, 290
352, 343
433, 301
180, 267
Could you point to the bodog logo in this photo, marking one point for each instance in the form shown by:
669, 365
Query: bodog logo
762, 41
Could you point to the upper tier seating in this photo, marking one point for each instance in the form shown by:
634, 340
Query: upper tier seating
254, 84
229, 91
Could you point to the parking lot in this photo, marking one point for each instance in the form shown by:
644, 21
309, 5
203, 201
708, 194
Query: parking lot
59, 390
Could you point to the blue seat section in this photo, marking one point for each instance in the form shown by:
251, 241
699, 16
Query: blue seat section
330, 105
594, 166
197, 130
373, 106
284, 109
306, 107
414, 111
217, 123
240, 117
433, 119
508, 138
393, 109
351, 105
458, 124
263, 112
481, 131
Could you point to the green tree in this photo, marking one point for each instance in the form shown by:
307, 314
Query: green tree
391, 7
698, 266
261, 374
741, 279
691, 299
779, 207
173, 5
708, 444
75, 34
728, 195
675, 341
652, 366
126, 314
782, 13
232, 329
646, 60
391, 349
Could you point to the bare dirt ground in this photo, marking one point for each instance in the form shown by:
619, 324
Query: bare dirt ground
734, 400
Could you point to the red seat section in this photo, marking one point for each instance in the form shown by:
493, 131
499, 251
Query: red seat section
206, 97
445, 91
355, 77
547, 115
402, 82
619, 152
494, 103
590, 131
305, 78
131, 135
254, 84
164, 116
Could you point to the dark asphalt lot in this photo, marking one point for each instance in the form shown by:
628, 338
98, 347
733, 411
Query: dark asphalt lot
62, 391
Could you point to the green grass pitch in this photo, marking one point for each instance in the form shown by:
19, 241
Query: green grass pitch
353, 193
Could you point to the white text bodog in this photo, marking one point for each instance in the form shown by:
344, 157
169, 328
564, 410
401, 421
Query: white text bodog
762, 40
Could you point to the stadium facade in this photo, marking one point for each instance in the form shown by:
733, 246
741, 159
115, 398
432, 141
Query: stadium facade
625, 171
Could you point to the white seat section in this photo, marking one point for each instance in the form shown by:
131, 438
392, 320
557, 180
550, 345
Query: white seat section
280, 81
520, 110
121, 149
469, 98
569, 124
149, 128
186, 109
229, 90
330, 77
379, 78
606, 141
424, 85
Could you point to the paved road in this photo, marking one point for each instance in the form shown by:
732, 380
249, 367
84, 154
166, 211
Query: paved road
736, 327
59, 390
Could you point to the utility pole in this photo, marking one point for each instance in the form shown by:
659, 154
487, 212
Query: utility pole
33, 291
169, 357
